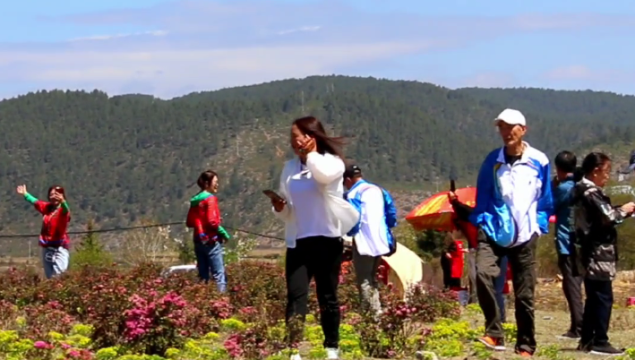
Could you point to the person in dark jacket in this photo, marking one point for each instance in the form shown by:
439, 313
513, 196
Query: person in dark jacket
563, 184
595, 219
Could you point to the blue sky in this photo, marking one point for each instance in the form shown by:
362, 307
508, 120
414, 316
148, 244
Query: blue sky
169, 48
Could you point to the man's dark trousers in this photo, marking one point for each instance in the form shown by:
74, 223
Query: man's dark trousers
572, 287
522, 259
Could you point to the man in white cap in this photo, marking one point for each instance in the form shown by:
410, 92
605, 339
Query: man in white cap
513, 205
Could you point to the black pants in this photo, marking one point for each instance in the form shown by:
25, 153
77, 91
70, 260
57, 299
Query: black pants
522, 260
448, 280
320, 258
572, 288
451, 282
597, 312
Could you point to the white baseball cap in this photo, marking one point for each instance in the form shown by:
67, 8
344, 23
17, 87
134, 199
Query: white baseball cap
511, 117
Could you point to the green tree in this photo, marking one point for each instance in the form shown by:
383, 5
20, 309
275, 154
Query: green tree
90, 250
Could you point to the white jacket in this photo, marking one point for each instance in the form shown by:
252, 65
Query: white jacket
372, 238
327, 170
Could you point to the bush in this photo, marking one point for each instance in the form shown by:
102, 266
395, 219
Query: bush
127, 312
90, 251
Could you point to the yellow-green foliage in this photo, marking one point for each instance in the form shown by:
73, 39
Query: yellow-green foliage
233, 325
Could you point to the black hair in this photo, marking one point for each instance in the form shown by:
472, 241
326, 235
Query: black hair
593, 161
205, 179
313, 127
566, 161
578, 174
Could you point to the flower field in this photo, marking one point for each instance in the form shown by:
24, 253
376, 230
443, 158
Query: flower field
114, 313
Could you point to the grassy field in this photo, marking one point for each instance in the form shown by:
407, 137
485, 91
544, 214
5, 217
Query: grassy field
549, 325
552, 320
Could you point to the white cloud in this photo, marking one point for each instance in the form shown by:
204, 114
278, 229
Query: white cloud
488, 80
584, 73
302, 29
207, 45
117, 36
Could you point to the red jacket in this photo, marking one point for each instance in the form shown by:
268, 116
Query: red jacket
508, 276
457, 260
204, 215
55, 221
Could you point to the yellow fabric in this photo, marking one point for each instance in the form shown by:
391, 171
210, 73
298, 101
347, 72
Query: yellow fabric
405, 269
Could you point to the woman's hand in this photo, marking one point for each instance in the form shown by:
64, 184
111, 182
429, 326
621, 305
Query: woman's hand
57, 197
21, 190
628, 208
308, 146
278, 204
452, 196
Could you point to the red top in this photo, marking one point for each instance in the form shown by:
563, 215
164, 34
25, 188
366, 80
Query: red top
471, 232
457, 260
204, 215
508, 277
55, 221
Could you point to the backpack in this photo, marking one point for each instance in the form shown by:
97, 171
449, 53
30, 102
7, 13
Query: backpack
390, 216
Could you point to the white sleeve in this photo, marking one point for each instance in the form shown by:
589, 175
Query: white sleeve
372, 206
325, 168
286, 212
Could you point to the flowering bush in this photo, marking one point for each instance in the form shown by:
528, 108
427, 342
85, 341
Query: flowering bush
109, 312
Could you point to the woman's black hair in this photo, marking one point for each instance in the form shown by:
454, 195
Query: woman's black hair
313, 127
205, 179
593, 161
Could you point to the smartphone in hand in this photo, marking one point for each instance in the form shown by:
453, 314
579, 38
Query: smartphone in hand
273, 195
452, 185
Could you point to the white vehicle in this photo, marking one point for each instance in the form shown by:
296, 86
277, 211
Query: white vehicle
178, 269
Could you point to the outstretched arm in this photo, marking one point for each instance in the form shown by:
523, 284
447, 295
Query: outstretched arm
39, 205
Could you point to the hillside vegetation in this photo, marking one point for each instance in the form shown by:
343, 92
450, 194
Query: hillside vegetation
128, 158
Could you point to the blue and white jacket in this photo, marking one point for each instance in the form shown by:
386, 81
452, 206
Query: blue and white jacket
373, 236
513, 202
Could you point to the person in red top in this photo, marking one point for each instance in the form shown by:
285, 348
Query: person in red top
452, 264
209, 236
53, 237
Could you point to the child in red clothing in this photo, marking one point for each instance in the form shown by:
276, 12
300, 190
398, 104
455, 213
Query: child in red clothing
53, 237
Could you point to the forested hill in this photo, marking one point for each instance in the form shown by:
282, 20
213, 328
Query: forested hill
133, 157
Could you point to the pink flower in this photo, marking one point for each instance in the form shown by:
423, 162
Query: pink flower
42, 345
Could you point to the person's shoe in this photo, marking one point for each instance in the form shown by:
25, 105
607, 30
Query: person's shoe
295, 357
492, 343
584, 347
569, 335
607, 349
523, 353
332, 354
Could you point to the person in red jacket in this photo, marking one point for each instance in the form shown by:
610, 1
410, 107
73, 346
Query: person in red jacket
452, 262
53, 236
209, 236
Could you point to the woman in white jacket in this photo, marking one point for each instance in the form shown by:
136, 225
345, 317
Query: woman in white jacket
316, 216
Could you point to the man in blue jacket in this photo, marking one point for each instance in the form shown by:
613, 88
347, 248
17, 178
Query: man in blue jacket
513, 205
563, 185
